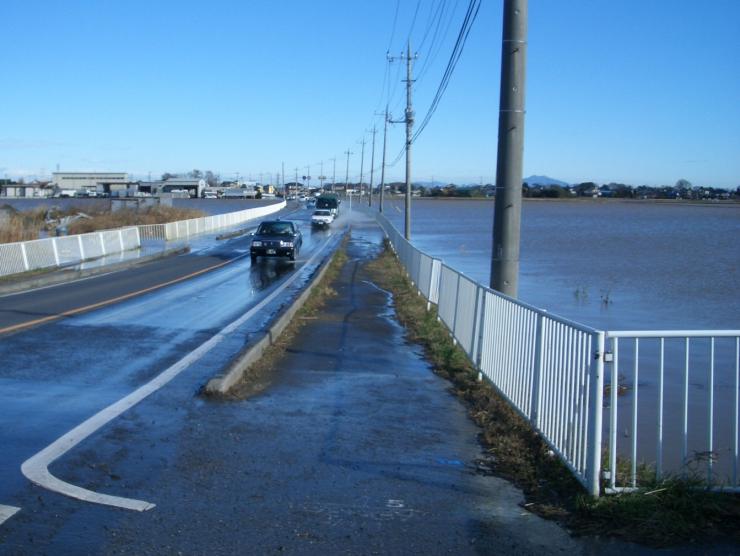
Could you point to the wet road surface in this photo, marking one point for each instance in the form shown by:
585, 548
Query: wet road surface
356, 448
55, 375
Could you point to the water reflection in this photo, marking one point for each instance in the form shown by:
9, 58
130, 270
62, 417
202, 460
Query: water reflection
265, 272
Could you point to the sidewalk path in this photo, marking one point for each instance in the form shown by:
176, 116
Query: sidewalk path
357, 447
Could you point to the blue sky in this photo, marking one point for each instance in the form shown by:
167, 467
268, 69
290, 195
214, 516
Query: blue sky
635, 91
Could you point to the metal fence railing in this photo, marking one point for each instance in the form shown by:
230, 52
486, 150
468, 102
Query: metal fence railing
552, 371
688, 421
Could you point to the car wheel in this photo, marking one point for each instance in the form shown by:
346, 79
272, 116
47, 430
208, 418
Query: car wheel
292, 255
253, 258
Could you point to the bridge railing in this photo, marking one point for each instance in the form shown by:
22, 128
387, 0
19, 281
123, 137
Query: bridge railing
552, 371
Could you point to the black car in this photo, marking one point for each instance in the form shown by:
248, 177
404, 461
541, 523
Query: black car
276, 238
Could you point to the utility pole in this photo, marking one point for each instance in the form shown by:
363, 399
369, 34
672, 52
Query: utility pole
296, 179
308, 176
346, 179
362, 163
409, 121
285, 193
508, 205
334, 175
321, 176
382, 167
372, 170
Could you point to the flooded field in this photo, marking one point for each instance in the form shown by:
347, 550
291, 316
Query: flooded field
609, 264
624, 266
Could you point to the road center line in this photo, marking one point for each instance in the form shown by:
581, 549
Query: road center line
6, 512
124, 297
36, 468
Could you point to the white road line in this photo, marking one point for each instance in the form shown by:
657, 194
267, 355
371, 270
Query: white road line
36, 468
6, 512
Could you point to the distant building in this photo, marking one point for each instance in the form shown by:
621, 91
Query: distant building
90, 182
26, 190
194, 187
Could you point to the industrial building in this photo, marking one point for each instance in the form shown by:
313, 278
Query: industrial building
90, 182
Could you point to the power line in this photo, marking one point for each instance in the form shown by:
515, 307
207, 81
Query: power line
413, 21
462, 37
438, 40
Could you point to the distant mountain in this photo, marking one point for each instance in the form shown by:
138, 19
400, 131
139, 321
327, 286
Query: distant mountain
544, 180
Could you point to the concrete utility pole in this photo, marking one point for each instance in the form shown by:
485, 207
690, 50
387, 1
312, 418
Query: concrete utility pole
508, 206
372, 170
308, 176
409, 121
334, 174
362, 162
296, 179
346, 179
321, 175
285, 193
382, 167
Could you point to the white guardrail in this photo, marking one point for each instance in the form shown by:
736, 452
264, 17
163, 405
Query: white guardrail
50, 252
194, 226
23, 256
552, 371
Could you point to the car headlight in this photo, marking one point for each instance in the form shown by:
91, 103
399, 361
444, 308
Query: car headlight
286, 243
257, 243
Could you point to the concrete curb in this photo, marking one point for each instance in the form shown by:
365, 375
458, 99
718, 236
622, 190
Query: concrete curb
57, 276
257, 345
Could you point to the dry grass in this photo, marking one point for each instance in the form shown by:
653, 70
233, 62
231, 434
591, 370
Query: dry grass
121, 218
27, 225
677, 511
22, 226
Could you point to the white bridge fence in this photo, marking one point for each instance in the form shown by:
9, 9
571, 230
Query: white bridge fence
24, 256
552, 371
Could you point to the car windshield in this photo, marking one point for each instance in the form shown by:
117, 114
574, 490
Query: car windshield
322, 213
275, 229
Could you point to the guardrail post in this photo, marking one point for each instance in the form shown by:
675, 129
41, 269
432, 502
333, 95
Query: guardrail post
120, 238
595, 414
102, 243
539, 348
82, 249
56, 251
25, 257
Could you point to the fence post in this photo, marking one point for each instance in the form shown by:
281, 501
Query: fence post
480, 323
454, 318
595, 414
56, 251
82, 249
539, 348
25, 256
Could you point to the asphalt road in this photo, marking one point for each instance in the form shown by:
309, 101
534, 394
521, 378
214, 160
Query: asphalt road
72, 350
